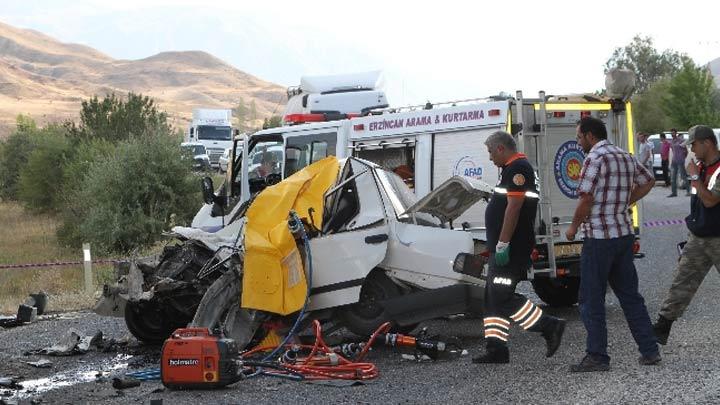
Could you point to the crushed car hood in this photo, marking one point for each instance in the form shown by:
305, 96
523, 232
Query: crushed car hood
452, 198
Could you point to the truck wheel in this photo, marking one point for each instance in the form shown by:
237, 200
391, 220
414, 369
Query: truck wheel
363, 317
147, 324
557, 292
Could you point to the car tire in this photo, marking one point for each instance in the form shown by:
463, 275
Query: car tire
147, 324
365, 316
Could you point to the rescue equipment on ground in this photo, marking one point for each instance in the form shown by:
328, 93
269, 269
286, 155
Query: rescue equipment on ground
194, 358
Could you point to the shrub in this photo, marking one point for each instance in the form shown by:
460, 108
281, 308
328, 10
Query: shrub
126, 200
14, 155
41, 179
115, 119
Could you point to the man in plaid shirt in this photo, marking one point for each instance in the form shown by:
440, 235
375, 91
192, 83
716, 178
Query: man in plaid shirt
610, 182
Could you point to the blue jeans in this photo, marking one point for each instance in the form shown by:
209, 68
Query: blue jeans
610, 261
679, 168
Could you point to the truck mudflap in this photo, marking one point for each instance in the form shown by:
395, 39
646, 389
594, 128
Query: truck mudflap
421, 306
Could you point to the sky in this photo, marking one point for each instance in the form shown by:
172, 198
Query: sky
430, 51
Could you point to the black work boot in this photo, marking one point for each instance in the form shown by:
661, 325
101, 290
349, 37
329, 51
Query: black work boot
662, 329
553, 332
552, 329
495, 353
590, 363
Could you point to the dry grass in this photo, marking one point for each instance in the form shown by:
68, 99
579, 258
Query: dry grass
27, 238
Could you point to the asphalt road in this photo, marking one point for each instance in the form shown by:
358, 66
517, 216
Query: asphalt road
687, 374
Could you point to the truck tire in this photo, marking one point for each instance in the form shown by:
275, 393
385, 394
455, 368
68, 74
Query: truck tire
557, 292
365, 316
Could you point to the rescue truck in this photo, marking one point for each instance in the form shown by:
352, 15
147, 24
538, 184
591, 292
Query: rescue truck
428, 144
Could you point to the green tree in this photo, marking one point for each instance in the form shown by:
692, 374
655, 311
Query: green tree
41, 179
127, 199
240, 112
272, 122
647, 62
115, 119
253, 111
690, 97
648, 109
14, 156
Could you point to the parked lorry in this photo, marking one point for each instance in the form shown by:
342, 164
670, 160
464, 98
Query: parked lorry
211, 127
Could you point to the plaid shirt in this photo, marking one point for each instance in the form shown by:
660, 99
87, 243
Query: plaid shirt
609, 174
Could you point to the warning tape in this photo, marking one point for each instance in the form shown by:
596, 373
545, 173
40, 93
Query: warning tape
663, 222
54, 264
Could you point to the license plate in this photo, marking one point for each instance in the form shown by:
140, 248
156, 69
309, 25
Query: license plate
568, 250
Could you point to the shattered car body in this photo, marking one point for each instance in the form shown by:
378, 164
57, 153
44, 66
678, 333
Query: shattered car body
379, 255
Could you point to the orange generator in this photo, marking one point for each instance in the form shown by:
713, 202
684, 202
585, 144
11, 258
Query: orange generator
194, 358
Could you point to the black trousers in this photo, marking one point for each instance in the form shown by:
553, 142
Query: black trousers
503, 304
666, 172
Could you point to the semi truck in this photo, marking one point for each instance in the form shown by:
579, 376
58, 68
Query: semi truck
211, 127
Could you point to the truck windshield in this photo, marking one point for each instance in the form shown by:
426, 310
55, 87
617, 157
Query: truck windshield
214, 133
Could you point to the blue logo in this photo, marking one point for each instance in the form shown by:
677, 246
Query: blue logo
466, 167
568, 164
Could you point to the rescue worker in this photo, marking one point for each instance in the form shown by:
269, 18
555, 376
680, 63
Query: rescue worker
702, 249
510, 218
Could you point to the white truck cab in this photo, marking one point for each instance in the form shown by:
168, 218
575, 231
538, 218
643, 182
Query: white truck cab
212, 128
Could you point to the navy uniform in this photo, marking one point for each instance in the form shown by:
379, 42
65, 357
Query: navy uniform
502, 304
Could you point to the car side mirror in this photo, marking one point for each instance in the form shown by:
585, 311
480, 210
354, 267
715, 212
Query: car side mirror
208, 190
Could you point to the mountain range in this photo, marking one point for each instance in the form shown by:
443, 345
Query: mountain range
48, 79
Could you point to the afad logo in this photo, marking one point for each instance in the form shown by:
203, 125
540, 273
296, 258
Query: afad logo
568, 164
466, 167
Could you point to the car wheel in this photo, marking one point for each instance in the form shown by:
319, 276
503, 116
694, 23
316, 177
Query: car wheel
365, 316
146, 323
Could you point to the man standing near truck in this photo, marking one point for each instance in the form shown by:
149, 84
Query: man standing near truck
611, 181
702, 249
679, 153
665, 158
510, 219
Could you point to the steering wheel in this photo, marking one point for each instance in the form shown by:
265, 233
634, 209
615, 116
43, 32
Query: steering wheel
272, 179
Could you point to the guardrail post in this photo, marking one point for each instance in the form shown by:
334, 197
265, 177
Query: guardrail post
87, 264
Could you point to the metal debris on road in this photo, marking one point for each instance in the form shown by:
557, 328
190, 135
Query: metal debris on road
42, 363
71, 343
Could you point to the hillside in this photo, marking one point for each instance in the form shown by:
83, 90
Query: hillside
48, 79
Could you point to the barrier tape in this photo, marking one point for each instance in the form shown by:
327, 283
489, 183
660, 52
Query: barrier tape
663, 222
55, 264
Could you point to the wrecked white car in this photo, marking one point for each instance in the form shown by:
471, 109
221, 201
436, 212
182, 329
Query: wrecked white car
367, 252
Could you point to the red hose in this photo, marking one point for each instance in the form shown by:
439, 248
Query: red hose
319, 363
